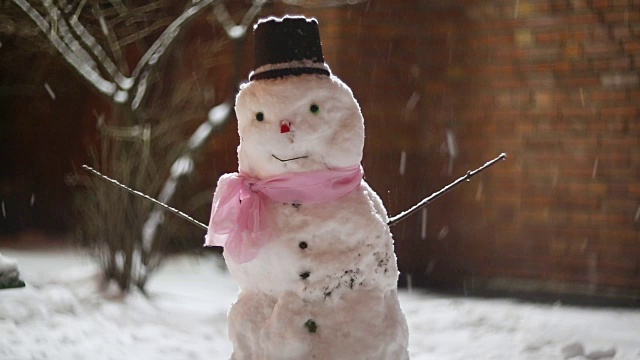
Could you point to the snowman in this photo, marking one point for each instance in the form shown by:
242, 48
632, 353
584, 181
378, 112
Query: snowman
304, 235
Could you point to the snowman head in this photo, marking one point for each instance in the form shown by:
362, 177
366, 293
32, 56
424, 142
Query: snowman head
294, 116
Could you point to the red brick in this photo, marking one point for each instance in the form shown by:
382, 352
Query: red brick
622, 15
579, 80
619, 111
600, 95
619, 79
580, 19
622, 3
601, 4
573, 112
600, 49
552, 106
632, 45
561, 36
620, 31
634, 189
625, 142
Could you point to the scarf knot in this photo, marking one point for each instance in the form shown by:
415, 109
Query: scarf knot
237, 214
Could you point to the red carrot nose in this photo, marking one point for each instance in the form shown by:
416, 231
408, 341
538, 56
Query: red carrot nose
285, 127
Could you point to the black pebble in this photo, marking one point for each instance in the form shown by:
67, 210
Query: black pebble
305, 275
302, 245
311, 326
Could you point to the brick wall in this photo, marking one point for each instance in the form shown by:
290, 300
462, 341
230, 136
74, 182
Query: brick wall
447, 85
552, 83
559, 90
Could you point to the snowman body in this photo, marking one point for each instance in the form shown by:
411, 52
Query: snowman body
325, 284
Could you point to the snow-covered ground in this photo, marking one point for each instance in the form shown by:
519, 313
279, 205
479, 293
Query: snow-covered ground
60, 315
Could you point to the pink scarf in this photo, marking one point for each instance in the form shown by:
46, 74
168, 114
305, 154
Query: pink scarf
237, 217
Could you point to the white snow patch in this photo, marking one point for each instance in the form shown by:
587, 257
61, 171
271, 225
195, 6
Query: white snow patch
7, 264
237, 32
140, 91
120, 96
219, 113
61, 315
103, 25
183, 165
149, 228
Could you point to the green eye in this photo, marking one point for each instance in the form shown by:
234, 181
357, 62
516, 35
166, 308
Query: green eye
259, 116
314, 109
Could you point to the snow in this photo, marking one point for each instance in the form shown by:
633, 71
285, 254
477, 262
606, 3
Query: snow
61, 315
47, 87
182, 166
7, 264
332, 140
335, 296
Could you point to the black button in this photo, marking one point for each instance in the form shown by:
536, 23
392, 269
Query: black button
302, 245
311, 326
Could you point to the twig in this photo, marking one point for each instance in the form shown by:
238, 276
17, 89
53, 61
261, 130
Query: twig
147, 197
405, 214
392, 221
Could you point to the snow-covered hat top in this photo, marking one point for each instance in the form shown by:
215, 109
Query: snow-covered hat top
289, 46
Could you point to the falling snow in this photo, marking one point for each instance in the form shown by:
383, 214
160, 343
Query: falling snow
443, 232
412, 102
52, 95
403, 162
452, 148
423, 224
479, 191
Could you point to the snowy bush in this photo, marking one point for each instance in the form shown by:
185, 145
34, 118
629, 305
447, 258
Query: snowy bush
9, 274
145, 141
144, 136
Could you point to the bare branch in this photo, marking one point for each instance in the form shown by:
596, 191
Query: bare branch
146, 197
237, 31
168, 35
103, 59
112, 40
143, 33
84, 69
405, 214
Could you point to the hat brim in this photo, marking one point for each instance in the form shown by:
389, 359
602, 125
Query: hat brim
284, 72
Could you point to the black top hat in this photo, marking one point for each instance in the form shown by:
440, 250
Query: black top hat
287, 47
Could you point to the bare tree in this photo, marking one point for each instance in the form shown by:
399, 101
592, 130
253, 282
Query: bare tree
138, 146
